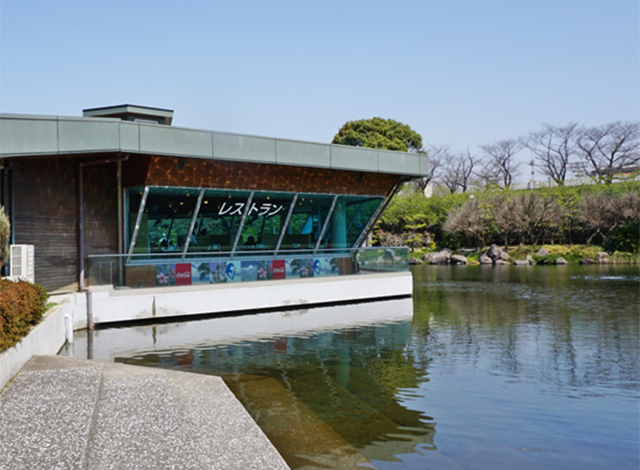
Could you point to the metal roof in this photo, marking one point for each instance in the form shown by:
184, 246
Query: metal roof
29, 135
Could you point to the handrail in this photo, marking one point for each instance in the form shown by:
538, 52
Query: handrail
218, 254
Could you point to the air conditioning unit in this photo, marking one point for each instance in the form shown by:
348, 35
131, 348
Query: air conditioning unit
21, 262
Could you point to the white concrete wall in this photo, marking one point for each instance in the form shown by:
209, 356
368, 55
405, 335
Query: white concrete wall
166, 302
45, 339
110, 343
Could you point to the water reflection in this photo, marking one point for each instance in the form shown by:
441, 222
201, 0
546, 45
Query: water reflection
514, 368
573, 328
327, 396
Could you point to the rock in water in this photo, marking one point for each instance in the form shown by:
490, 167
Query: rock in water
458, 259
484, 259
494, 252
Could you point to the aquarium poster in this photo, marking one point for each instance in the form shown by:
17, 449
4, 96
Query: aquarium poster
233, 271
249, 271
300, 268
165, 275
201, 273
217, 272
264, 270
323, 267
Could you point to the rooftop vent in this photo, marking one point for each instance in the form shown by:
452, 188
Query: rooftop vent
131, 112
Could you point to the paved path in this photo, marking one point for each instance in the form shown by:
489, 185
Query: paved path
64, 413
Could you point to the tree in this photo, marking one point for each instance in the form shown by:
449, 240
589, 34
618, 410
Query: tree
473, 220
457, 171
602, 213
438, 155
500, 166
610, 150
379, 133
5, 235
554, 147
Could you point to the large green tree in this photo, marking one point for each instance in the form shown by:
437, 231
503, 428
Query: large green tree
379, 133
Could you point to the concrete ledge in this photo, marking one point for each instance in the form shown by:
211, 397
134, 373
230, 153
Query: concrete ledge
44, 339
67, 413
111, 306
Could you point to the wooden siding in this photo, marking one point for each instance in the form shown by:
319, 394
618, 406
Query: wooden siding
46, 215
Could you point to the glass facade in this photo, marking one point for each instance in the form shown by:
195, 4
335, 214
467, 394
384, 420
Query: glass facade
196, 222
185, 236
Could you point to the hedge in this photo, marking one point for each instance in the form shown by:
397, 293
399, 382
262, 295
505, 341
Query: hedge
22, 305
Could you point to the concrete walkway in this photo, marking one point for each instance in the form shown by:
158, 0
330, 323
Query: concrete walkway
64, 413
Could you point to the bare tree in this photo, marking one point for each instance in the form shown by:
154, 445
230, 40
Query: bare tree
610, 150
437, 154
554, 147
500, 166
457, 171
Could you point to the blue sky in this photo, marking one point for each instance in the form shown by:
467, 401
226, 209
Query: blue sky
464, 72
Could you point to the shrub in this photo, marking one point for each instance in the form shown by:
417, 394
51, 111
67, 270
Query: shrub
5, 233
22, 305
624, 237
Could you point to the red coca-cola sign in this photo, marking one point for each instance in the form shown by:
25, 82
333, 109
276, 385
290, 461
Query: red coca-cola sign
183, 274
279, 269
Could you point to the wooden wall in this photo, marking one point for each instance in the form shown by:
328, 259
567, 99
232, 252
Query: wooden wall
46, 215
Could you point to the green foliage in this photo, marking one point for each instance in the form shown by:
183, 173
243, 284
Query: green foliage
22, 305
379, 133
453, 241
625, 237
396, 369
5, 234
558, 215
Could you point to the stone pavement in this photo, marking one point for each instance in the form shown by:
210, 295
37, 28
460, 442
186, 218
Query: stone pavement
65, 413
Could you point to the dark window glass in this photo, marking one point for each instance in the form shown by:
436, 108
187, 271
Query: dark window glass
264, 221
306, 222
166, 220
219, 219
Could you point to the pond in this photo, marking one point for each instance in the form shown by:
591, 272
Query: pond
486, 367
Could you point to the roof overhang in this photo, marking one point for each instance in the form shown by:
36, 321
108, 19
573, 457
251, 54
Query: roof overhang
29, 136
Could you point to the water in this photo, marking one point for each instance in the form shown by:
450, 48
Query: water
505, 367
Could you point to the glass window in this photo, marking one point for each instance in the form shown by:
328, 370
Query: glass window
358, 214
350, 217
306, 221
264, 221
166, 219
219, 219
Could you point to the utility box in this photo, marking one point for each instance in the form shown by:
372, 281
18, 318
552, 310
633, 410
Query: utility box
21, 262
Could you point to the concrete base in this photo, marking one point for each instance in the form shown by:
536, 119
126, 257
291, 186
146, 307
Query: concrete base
111, 305
67, 413
47, 337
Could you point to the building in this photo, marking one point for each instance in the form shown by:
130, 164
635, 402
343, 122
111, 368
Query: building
121, 197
